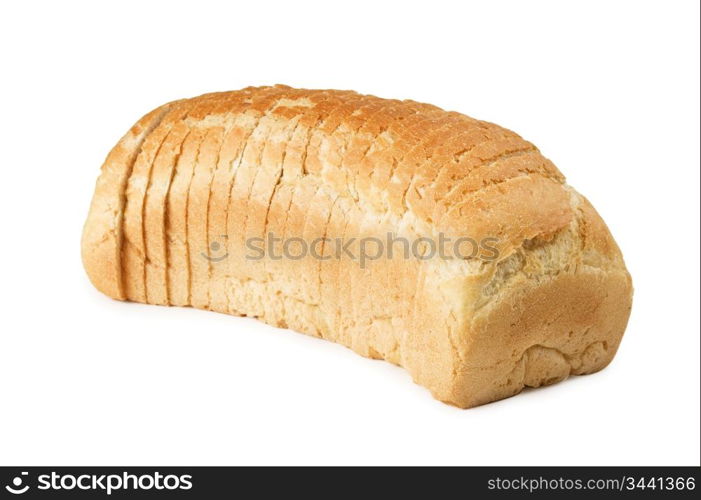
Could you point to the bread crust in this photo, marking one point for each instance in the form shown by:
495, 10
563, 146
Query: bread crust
198, 178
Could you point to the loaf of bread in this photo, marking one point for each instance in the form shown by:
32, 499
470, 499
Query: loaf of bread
242, 202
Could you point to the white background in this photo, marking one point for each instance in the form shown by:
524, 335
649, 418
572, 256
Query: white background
608, 90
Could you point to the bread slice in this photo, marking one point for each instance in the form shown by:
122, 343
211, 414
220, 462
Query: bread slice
102, 238
546, 295
155, 237
178, 260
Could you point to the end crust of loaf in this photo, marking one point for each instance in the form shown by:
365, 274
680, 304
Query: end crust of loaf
192, 182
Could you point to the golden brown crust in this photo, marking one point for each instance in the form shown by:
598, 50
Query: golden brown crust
206, 175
